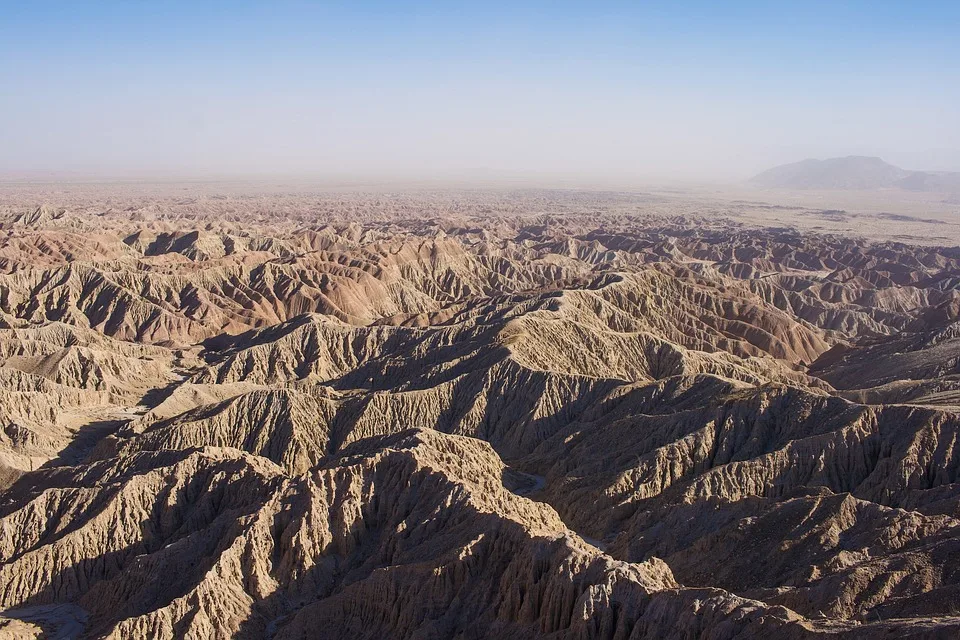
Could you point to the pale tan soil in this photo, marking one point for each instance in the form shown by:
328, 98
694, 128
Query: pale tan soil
281, 411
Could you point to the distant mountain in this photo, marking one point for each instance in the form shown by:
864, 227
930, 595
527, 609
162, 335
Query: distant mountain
854, 172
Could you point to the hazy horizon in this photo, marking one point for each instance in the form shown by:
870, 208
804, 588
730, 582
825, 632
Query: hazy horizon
426, 90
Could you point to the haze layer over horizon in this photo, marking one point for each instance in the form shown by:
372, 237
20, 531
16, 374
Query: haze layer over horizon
428, 88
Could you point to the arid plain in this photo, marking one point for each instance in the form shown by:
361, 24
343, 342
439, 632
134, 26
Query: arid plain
280, 410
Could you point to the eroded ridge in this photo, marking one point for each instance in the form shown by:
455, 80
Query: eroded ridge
482, 414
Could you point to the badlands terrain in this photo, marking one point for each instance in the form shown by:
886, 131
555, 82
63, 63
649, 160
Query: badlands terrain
270, 412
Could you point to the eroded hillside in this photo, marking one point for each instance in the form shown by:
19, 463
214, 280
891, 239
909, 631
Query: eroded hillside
512, 415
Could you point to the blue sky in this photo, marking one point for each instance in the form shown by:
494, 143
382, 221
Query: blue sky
685, 89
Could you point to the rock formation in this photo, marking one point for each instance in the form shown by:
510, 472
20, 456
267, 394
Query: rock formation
511, 415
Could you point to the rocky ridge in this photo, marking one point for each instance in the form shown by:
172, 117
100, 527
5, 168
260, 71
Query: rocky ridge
473, 424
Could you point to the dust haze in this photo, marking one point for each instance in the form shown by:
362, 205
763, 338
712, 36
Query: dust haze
473, 135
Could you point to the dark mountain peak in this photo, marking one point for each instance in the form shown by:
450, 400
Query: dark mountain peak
850, 172
854, 172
